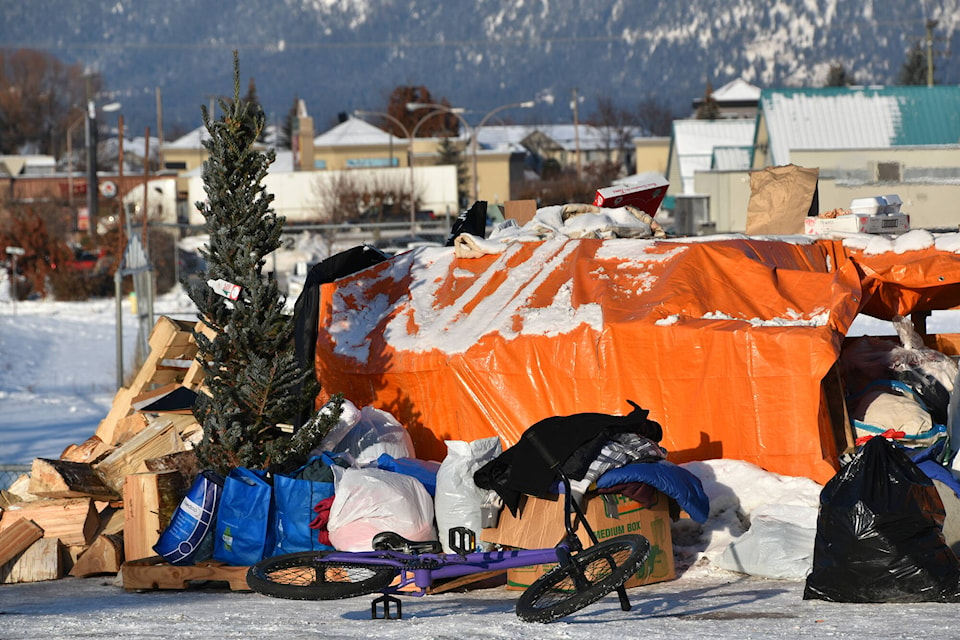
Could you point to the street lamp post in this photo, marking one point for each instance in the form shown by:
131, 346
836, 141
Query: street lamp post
474, 131
91, 142
411, 136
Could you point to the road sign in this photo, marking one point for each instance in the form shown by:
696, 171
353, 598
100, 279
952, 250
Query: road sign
108, 189
16, 251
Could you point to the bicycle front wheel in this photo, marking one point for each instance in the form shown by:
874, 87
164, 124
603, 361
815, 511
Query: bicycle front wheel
307, 575
588, 577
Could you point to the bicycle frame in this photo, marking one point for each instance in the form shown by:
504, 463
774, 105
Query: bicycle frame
422, 570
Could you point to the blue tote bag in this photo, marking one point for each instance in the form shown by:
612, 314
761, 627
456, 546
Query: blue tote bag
244, 531
294, 499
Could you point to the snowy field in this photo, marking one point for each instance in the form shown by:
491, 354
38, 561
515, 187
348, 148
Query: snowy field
58, 379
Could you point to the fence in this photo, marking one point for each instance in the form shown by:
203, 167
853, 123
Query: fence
10, 472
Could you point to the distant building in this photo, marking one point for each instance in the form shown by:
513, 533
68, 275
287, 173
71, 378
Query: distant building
865, 141
736, 99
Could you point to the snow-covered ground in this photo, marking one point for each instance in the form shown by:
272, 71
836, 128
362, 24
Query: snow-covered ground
58, 379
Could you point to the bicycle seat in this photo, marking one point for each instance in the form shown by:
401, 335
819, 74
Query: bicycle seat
390, 541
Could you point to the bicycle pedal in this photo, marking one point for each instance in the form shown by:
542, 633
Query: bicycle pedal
462, 540
386, 601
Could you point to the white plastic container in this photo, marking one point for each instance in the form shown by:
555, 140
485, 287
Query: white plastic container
892, 204
867, 206
882, 205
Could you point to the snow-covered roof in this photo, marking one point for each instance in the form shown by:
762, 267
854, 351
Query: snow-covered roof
192, 140
504, 137
695, 142
354, 132
859, 118
586, 136
731, 158
738, 90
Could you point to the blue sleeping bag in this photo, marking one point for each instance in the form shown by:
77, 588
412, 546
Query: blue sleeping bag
423, 470
669, 479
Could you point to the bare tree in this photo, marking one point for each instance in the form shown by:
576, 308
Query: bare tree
618, 127
40, 99
654, 116
443, 124
345, 197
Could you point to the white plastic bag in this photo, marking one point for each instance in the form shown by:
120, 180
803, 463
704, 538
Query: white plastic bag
369, 501
779, 543
367, 433
458, 498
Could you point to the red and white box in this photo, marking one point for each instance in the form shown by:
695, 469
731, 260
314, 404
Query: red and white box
646, 195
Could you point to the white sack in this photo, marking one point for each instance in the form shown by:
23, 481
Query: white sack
367, 433
458, 499
369, 501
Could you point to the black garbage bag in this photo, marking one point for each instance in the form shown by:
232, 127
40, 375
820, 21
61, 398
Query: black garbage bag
879, 534
472, 221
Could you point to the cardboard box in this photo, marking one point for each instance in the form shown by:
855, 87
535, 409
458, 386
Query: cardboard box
523, 211
859, 223
645, 196
539, 524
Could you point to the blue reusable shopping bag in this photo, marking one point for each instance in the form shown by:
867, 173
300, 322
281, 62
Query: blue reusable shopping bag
181, 543
244, 532
294, 499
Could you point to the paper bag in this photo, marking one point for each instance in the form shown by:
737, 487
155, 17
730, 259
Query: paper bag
780, 199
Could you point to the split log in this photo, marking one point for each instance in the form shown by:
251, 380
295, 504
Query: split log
89, 451
43, 560
149, 502
159, 439
20, 490
119, 409
115, 430
65, 479
183, 462
16, 538
111, 520
73, 520
105, 555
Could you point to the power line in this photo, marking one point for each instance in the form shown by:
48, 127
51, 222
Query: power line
282, 45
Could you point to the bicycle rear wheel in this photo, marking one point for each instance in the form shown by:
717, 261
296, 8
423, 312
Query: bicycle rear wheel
307, 575
590, 575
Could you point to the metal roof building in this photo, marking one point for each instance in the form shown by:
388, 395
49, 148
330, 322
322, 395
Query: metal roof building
854, 118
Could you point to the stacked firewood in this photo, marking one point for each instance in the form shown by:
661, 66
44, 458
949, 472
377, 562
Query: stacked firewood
106, 500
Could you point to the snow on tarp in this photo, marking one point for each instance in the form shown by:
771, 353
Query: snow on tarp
726, 340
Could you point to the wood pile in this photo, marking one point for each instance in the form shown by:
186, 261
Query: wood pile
105, 501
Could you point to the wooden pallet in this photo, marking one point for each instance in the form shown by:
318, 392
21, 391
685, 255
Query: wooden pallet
150, 574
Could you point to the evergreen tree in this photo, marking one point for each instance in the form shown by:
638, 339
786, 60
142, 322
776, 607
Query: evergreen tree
285, 135
252, 374
838, 76
709, 108
449, 153
914, 69
253, 100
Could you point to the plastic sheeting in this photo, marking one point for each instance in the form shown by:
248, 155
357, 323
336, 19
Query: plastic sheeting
725, 340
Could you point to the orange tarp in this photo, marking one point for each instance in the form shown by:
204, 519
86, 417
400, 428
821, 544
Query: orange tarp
725, 341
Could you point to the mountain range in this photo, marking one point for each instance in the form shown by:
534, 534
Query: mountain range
343, 55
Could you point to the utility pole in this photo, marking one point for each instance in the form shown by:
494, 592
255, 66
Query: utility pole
159, 131
931, 25
576, 130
